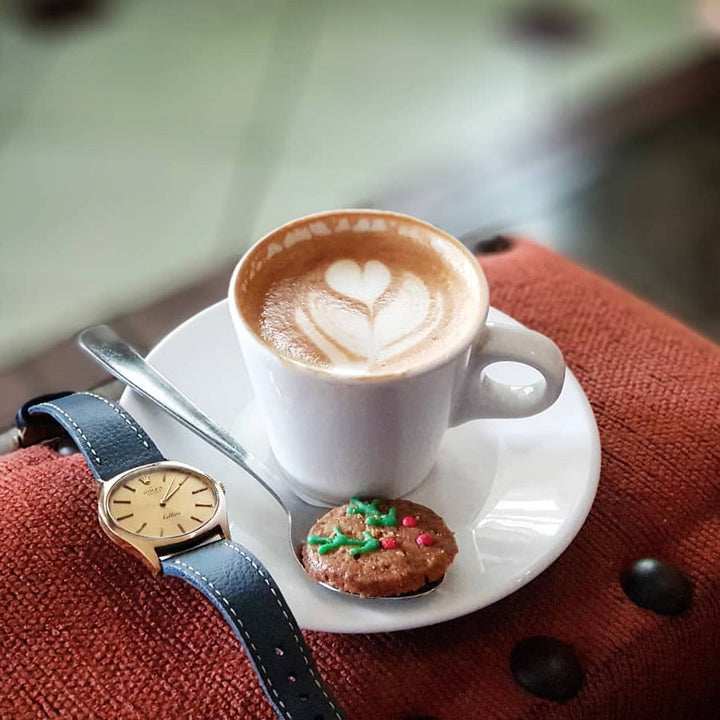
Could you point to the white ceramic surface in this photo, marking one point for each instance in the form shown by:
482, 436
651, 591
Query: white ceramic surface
379, 435
516, 492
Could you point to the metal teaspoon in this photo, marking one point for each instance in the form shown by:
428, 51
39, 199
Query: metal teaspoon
126, 364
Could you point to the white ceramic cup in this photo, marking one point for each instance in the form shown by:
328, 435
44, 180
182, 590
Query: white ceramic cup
338, 436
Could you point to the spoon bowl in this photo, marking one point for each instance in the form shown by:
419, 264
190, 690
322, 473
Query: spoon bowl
126, 364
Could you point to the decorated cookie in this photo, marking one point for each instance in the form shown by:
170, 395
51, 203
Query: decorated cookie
379, 548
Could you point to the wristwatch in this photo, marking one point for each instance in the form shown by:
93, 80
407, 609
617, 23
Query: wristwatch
173, 518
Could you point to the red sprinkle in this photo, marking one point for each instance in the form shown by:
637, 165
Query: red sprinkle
409, 521
425, 539
389, 543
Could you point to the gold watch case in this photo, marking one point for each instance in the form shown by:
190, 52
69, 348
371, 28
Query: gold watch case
156, 510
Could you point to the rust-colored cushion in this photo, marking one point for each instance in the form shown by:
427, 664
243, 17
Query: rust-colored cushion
86, 631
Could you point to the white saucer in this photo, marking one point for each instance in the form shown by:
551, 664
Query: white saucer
516, 492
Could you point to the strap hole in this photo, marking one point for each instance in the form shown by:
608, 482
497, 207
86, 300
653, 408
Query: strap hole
319, 717
304, 697
292, 677
279, 651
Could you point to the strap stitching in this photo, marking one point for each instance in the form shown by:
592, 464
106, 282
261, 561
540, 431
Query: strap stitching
242, 629
75, 425
293, 629
121, 414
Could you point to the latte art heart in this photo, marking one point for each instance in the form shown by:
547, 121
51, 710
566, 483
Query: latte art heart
361, 302
367, 284
391, 323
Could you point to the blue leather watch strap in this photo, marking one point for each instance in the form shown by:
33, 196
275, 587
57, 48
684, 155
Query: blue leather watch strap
240, 587
107, 436
226, 573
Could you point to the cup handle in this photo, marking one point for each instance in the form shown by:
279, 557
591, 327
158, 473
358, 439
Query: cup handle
483, 397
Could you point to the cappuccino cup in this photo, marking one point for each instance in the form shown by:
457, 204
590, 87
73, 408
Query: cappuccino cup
365, 337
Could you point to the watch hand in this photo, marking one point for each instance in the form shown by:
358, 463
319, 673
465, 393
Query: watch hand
175, 489
167, 494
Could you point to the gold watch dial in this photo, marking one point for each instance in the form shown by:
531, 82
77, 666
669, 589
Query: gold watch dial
162, 503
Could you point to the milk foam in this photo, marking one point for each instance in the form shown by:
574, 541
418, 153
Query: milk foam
362, 301
353, 339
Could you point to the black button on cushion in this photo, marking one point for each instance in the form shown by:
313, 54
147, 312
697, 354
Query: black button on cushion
495, 244
658, 586
547, 667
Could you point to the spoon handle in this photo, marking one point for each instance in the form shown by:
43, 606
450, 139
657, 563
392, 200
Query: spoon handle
126, 364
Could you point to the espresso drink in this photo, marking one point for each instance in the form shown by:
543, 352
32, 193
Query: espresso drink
359, 297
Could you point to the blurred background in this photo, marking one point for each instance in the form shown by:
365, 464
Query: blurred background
145, 144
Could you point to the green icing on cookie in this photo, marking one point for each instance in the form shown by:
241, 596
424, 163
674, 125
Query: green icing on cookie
358, 507
387, 520
372, 513
370, 545
338, 539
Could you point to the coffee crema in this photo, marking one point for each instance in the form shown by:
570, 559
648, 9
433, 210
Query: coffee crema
365, 302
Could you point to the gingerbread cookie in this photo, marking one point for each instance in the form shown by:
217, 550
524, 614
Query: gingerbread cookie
379, 548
